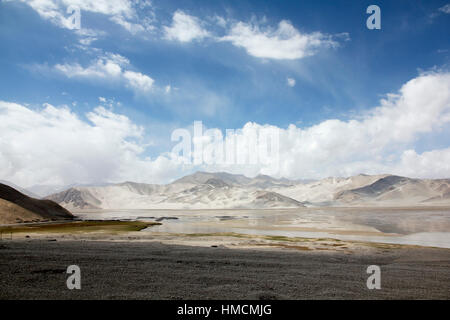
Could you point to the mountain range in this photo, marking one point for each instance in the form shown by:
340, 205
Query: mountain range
204, 190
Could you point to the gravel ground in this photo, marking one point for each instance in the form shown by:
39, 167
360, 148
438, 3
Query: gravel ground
36, 269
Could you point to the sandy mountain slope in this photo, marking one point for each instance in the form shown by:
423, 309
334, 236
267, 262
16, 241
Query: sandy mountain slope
202, 191
215, 194
258, 182
11, 213
201, 178
395, 190
15, 207
323, 191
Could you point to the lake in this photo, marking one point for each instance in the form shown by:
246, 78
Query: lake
426, 226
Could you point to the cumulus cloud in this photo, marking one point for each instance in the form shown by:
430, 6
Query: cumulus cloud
379, 141
109, 67
138, 81
283, 42
435, 163
54, 145
185, 28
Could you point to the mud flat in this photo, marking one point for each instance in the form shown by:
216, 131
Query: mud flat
137, 265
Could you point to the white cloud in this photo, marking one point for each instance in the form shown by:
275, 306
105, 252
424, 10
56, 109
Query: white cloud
87, 36
53, 145
137, 16
220, 21
138, 81
110, 67
102, 68
107, 7
129, 26
445, 9
380, 141
284, 42
185, 28
435, 163
290, 82
122, 12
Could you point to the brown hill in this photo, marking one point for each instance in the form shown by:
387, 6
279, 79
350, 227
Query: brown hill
15, 207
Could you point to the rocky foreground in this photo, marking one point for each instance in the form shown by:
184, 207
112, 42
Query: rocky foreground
36, 269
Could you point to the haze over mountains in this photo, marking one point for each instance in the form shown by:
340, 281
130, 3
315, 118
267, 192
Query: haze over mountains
222, 190
26, 192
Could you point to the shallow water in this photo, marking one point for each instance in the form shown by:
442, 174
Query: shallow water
418, 226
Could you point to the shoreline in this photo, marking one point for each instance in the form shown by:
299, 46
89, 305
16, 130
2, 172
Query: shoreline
115, 230
368, 207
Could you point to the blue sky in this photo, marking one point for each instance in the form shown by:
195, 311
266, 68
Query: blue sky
225, 68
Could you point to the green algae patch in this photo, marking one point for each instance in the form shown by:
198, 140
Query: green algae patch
108, 226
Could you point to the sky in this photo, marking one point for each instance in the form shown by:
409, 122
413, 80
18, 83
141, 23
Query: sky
99, 101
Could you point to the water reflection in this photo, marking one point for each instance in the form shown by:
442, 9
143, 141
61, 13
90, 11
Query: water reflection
420, 226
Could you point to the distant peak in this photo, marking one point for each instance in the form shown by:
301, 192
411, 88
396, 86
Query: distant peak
218, 183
